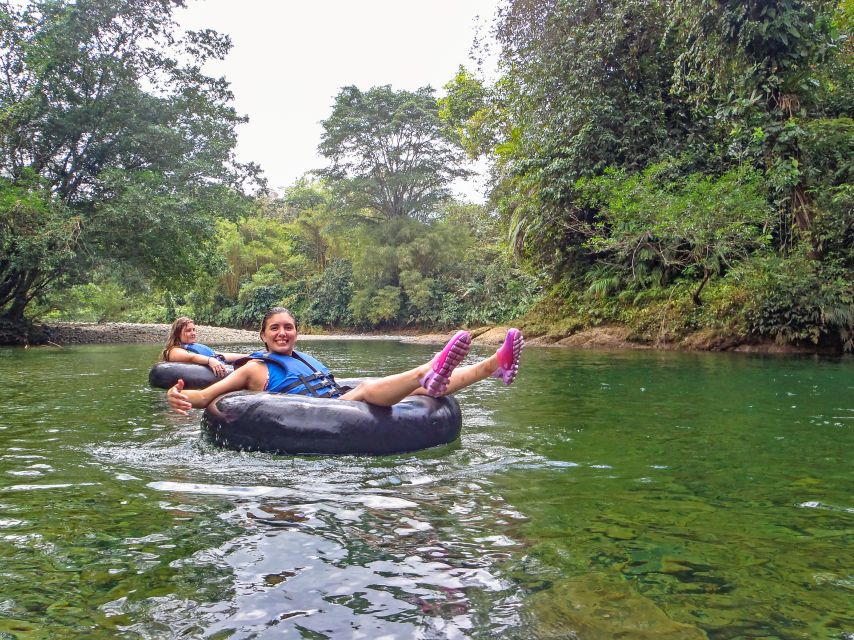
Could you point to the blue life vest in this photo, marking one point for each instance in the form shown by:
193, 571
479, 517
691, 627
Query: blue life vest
299, 374
202, 350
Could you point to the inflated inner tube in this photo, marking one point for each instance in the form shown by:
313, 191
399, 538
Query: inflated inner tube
195, 376
294, 424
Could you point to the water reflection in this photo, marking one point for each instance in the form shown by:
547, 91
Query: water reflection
400, 547
340, 561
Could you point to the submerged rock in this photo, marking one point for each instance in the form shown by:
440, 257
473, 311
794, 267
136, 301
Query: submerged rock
596, 607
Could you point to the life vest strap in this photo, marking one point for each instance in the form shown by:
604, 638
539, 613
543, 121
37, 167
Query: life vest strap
329, 379
311, 386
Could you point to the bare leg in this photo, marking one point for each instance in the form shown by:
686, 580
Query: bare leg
433, 377
391, 389
464, 376
503, 364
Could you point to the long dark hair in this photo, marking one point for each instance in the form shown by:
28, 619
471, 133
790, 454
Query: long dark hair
175, 336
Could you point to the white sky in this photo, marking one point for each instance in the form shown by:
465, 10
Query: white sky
290, 58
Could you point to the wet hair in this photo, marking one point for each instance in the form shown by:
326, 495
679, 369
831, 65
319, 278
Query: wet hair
175, 336
270, 313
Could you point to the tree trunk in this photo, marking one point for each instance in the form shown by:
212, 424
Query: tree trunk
696, 295
803, 218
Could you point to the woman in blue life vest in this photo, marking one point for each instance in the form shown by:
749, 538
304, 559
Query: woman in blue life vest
182, 347
285, 370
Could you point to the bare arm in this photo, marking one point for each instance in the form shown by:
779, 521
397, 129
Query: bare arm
231, 357
252, 376
177, 354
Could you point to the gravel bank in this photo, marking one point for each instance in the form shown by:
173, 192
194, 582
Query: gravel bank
65, 333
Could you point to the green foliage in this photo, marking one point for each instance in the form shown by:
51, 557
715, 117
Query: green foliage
36, 239
833, 228
470, 113
395, 268
587, 87
127, 144
799, 300
266, 288
305, 195
390, 153
311, 234
117, 171
765, 70
405, 272
331, 295
757, 49
828, 152
252, 243
657, 225
105, 302
376, 306
755, 100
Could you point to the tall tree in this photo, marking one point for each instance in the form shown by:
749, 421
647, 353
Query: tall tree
390, 153
758, 65
113, 139
586, 86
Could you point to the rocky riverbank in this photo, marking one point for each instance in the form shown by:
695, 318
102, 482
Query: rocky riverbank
68, 333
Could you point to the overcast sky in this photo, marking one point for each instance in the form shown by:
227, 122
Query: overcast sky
289, 59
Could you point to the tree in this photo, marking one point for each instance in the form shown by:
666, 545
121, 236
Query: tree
658, 221
586, 86
252, 243
390, 152
757, 64
108, 122
468, 108
36, 237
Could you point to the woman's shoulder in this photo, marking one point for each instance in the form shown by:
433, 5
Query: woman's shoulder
174, 350
252, 375
252, 367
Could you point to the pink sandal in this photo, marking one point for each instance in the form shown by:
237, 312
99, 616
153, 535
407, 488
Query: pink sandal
509, 355
436, 380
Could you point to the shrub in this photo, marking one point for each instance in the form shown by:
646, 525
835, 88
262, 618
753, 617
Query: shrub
331, 294
798, 299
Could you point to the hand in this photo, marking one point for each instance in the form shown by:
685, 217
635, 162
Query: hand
178, 401
217, 367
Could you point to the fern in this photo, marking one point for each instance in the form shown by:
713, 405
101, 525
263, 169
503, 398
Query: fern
603, 280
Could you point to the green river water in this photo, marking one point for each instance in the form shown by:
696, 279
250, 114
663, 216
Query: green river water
604, 495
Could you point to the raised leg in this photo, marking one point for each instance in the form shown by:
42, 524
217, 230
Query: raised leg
431, 378
503, 364
441, 375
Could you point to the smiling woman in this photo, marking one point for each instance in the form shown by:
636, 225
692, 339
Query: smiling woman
282, 369
181, 346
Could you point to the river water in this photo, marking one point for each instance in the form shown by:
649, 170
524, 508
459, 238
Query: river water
605, 494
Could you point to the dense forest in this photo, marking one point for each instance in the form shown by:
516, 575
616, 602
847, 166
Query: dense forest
680, 168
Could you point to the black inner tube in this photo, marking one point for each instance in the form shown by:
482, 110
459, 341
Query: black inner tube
195, 376
294, 424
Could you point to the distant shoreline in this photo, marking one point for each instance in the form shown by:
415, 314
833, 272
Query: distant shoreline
599, 338
70, 333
